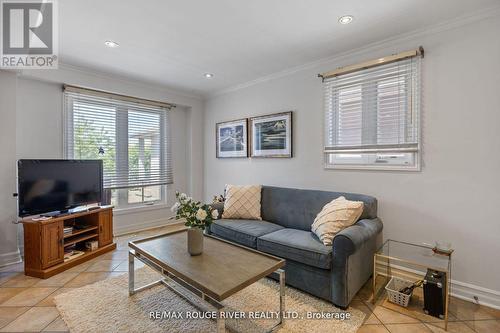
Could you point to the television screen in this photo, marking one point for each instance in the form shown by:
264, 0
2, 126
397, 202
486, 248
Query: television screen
53, 185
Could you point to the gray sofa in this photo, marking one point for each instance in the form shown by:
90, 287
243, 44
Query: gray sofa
334, 273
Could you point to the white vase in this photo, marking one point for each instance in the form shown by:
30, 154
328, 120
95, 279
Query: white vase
195, 241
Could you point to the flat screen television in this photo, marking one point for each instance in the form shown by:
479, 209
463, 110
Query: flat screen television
57, 185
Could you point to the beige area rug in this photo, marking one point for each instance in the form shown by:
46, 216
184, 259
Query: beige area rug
105, 306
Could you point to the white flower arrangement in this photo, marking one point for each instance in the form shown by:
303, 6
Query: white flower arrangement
201, 215
196, 214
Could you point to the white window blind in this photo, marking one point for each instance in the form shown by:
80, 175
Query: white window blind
130, 137
373, 111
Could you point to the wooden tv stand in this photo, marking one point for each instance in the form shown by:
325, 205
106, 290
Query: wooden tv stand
44, 241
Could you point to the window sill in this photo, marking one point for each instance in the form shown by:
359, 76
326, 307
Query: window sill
373, 167
140, 208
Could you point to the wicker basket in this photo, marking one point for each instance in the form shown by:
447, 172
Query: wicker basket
393, 288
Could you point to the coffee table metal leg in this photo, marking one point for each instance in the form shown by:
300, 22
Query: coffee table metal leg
131, 277
131, 273
221, 322
282, 296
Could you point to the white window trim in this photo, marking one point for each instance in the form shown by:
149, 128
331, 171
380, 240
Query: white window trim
125, 205
376, 167
141, 208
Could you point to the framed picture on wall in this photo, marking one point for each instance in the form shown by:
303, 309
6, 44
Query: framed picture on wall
231, 139
271, 135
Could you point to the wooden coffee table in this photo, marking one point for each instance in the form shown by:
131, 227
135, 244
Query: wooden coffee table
223, 269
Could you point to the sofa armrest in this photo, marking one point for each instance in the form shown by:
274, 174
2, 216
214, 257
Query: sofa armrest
352, 265
354, 237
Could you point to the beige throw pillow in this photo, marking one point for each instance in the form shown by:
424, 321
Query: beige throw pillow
242, 202
336, 216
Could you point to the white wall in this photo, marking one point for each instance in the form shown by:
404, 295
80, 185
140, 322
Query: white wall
456, 195
8, 236
31, 127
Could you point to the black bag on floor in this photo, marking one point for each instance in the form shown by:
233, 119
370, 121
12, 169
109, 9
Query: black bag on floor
435, 293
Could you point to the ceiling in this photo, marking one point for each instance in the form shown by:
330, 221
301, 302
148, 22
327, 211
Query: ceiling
174, 43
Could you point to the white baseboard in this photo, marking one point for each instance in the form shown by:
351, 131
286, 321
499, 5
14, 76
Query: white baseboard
136, 227
10, 258
467, 291
462, 290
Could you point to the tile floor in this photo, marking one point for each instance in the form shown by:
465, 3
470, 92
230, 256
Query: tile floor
383, 316
26, 303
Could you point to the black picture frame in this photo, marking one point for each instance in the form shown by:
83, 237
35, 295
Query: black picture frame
235, 131
271, 135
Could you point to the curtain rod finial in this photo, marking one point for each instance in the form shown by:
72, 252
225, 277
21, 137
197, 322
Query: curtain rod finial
421, 50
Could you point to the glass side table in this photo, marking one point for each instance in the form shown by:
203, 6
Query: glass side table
401, 258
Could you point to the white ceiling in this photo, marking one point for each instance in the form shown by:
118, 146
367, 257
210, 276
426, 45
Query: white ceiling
174, 43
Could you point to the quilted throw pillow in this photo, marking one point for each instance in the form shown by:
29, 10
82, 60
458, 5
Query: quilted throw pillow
242, 202
334, 217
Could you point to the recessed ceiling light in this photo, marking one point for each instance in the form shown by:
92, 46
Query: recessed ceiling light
346, 19
110, 43
208, 75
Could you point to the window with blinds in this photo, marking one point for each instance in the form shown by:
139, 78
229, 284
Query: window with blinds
372, 117
132, 139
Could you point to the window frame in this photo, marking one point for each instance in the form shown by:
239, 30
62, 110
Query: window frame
123, 198
122, 144
122, 141
407, 161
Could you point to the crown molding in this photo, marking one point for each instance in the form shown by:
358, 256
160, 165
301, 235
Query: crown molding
116, 77
129, 80
430, 30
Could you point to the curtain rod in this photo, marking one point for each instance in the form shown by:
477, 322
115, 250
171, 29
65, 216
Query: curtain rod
373, 63
101, 93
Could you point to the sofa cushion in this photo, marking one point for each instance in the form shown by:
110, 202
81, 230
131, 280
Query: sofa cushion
242, 202
298, 245
244, 232
297, 209
335, 217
